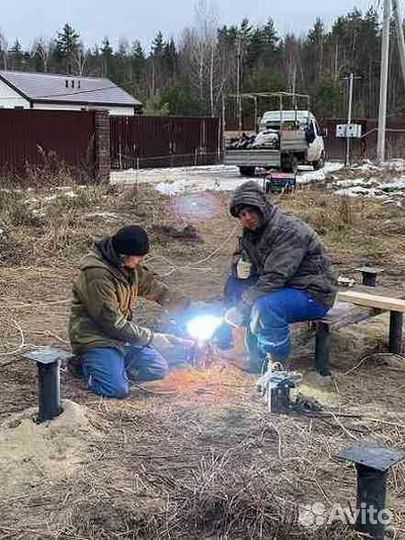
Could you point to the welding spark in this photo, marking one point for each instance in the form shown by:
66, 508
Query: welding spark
203, 327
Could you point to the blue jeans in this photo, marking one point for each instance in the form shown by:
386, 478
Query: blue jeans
268, 330
107, 370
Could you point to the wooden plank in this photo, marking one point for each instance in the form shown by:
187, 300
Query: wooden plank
344, 314
372, 300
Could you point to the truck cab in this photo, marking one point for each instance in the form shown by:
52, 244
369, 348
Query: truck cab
304, 120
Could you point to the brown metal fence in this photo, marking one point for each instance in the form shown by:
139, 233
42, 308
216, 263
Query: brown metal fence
28, 138
366, 146
146, 141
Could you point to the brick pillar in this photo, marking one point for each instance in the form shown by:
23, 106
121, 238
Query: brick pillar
102, 165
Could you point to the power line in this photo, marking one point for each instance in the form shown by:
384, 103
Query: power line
76, 93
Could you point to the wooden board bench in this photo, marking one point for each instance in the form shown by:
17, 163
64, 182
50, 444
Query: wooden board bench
351, 307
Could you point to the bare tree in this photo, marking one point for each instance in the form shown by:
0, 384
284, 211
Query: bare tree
206, 61
79, 58
43, 49
292, 61
3, 49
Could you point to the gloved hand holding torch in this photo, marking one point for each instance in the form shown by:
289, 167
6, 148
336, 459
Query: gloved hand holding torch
238, 315
165, 342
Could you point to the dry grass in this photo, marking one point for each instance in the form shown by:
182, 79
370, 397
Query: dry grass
208, 462
196, 455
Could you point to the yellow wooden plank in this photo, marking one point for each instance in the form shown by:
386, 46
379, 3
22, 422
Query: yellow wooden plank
372, 300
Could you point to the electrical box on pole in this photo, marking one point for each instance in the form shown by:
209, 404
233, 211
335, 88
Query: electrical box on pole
348, 130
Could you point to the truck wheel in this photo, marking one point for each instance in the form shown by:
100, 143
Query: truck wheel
319, 163
247, 171
289, 163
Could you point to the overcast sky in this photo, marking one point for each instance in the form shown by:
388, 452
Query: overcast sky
141, 19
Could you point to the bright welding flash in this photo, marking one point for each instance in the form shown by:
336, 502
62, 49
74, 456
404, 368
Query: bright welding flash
203, 327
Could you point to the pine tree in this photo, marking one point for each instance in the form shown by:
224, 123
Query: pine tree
107, 58
16, 56
157, 44
67, 45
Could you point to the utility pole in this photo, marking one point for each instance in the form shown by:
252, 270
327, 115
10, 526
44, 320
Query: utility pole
238, 77
382, 109
400, 35
351, 79
349, 119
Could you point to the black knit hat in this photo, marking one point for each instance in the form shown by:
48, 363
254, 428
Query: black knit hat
131, 240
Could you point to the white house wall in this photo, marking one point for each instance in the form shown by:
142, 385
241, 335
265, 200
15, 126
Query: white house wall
10, 99
122, 111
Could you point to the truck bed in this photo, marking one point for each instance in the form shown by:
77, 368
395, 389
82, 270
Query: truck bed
253, 158
292, 142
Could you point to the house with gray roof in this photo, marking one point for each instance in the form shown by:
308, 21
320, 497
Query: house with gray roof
25, 90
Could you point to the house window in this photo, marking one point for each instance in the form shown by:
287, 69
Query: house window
19, 107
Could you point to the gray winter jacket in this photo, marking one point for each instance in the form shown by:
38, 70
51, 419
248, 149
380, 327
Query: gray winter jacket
285, 251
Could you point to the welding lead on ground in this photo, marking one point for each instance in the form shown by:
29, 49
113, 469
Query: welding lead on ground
110, 349
286, 277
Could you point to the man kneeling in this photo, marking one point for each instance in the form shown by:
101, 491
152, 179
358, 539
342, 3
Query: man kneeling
111, 348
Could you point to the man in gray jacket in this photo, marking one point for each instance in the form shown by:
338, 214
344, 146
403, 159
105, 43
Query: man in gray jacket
282, 275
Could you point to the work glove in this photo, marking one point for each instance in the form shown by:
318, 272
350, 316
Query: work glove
165, 342
223, 338
238, 316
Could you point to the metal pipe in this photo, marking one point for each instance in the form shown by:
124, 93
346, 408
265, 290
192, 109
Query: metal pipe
49, 390
256, 126
371, 495
372, 465
382, 108
322, 349
349, 119
369, 279
395, 335
400, 35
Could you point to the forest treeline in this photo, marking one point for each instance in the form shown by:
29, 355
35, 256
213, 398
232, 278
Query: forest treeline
189, 76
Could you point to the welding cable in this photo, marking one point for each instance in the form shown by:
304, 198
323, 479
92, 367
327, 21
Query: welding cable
22, 338
194, 266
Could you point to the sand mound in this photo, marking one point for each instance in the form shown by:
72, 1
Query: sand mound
32, 454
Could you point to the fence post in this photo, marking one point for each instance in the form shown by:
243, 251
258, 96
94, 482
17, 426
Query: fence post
102, 158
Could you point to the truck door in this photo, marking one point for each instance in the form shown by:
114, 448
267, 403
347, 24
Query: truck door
316, 147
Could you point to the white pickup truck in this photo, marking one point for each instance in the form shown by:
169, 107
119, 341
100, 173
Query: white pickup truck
293, 136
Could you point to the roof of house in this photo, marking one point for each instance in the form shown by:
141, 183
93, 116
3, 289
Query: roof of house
49, 88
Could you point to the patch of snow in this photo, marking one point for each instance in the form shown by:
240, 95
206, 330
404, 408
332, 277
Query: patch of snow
367, 166
396, 184
394, 165
356, 191
349, 183
206, 178
320, 175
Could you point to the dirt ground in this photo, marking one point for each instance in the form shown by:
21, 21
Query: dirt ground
195, 455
